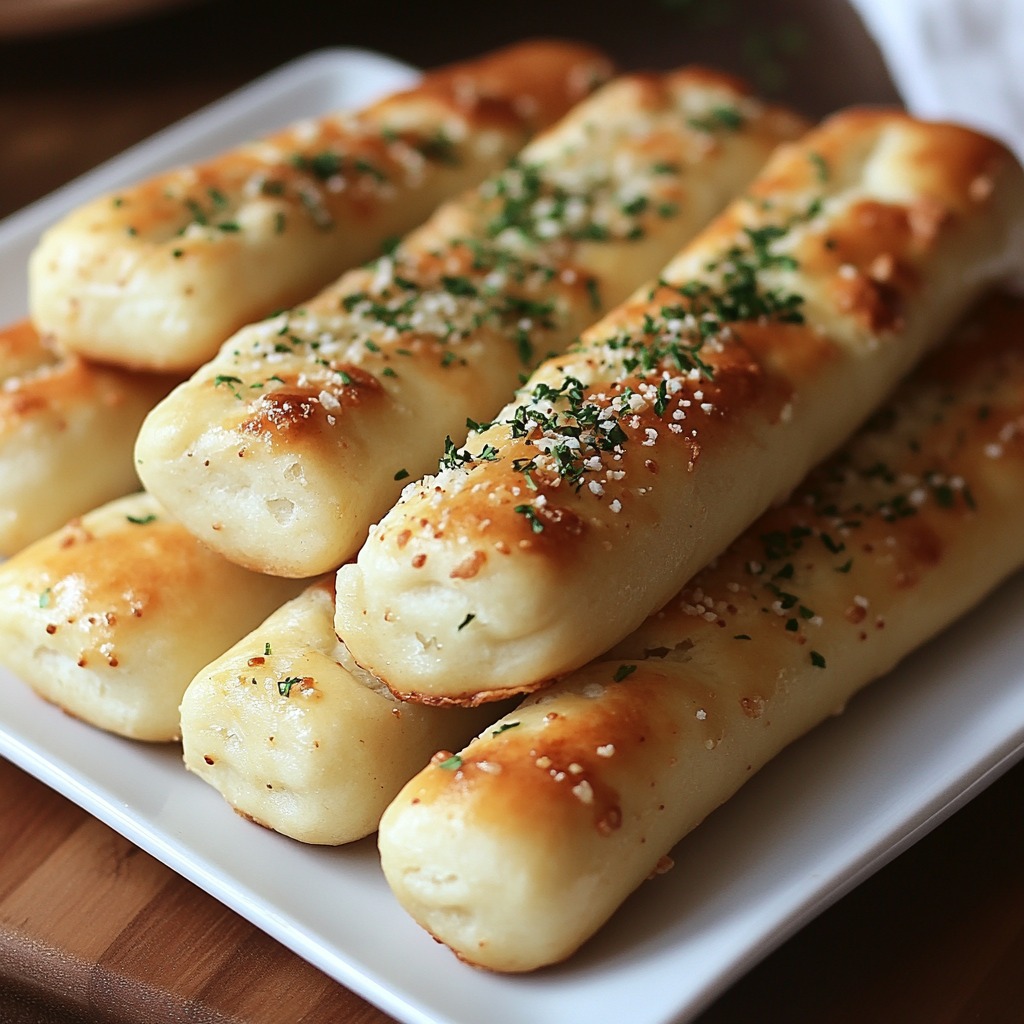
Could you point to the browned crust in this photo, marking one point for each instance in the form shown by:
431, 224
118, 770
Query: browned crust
56, 388
534, 81
521, 88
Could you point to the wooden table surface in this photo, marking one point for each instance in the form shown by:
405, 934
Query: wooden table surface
94, 930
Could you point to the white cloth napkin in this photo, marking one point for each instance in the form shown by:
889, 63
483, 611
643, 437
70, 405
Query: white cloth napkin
960, 60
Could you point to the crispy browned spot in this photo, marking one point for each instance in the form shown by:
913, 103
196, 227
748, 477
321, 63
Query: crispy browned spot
469, 566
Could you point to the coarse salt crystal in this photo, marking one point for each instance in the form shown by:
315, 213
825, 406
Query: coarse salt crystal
583, 792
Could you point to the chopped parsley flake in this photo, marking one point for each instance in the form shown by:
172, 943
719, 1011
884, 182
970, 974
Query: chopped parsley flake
233, 383
326, 165
439, 148
575, 429
539, 208
722, 118
820, 165
323, 165
530, 512
198, 213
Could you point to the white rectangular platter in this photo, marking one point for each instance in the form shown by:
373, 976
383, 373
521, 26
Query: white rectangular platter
821, 818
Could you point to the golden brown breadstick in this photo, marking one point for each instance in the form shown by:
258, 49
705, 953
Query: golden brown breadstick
157, 276
67, 433
296, 738
283, 450
518, 849
111, 616
630, 462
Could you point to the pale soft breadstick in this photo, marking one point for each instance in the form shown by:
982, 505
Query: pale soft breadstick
111, 616
517, 850
67, 433
158, 275
629, 463
298, 742
282, 451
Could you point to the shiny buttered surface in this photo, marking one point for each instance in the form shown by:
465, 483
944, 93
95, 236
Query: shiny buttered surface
158, 275
68, 419
514, 851
284, 449
637, 388
624, 466
112, 615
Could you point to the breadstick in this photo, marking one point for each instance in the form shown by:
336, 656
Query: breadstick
157, 276
283, 450
297, 739
626, 465
67, 430
518, 849
112, 615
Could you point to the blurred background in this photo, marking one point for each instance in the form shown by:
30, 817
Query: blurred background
83, 79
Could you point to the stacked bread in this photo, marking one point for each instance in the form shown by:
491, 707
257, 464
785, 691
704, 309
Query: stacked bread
550, 443
58, 412
151, 280
518, 847
302, 431
624, 466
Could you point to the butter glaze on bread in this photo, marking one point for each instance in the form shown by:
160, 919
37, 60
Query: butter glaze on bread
282, 450
295, 740
515, 857
22, 350
157, 276
626, 465
111, 616
67, 434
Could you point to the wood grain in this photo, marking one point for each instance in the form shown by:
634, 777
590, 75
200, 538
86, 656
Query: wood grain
92, 929
92, 925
